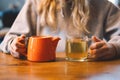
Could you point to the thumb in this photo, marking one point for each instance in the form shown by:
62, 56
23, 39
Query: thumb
22, 36
96, 39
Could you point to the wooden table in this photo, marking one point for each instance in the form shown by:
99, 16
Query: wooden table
16, 69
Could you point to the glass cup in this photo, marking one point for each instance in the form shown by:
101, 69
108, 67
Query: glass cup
77, 49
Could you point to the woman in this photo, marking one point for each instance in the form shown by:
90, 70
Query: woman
72, 17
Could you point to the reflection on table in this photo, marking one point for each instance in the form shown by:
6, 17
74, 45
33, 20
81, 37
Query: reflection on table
16, 69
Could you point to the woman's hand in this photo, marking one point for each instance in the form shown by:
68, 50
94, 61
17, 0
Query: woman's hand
101, 50
18, 47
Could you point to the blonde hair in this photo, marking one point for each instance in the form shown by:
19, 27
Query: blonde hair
75, 12
80, 14
47, 12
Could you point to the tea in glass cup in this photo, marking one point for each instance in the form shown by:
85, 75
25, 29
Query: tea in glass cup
76, 49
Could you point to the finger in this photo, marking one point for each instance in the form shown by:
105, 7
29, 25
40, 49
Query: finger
20, 50
17, 51
21, 38
13, 53
99, 52
97, 45
95, 39
17, 54
20, 45
17, 43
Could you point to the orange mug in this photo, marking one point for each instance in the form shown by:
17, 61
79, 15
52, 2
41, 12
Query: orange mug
42, 48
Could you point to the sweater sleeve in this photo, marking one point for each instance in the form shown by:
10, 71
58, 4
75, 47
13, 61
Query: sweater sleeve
115, 41
113, 28
24, 24
112, 22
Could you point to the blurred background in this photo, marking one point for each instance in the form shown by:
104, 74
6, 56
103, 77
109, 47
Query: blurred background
116, 2
9, 9
6, 4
